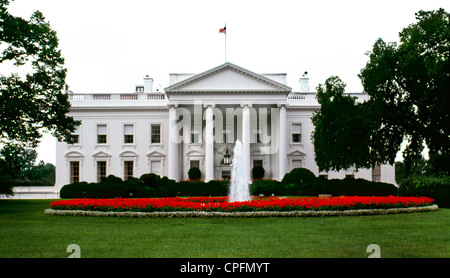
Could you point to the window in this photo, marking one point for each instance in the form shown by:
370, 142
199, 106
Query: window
296, 163
296, 130
194, 136
74, 171
155, 167
75, 139
101, 170
155, 134
128, 169
128, 131
101, 134
195, 164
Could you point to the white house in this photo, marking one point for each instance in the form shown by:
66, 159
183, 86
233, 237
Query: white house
194, 122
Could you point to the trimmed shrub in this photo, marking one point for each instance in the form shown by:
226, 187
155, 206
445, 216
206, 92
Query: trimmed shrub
132, 187
357, 187
312, 187
298, 176
258, 172
111, 187
296, 182
194, 173
150, 180
267, 187
192, 187
218, 187
437, 188
75, 190
166, 188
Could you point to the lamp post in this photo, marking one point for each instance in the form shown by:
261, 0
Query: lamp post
227, 158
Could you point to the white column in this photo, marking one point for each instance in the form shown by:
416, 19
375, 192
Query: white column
246, 140
282, 153
174, 156
209, 144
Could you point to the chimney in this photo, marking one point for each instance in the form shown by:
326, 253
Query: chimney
304, 83
148, 84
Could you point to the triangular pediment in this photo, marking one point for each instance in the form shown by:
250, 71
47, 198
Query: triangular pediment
101, 154
227, 78
156, 154
296, 153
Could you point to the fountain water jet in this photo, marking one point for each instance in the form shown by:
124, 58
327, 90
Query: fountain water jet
239, 187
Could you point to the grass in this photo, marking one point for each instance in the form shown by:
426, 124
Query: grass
26, 232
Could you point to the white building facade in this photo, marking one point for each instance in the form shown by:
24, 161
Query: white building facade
195, 122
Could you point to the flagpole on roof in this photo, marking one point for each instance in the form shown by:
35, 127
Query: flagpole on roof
225, 42
224, 31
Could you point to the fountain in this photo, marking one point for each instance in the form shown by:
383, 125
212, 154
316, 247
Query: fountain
239, 187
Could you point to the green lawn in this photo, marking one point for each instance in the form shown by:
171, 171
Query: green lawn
27, 233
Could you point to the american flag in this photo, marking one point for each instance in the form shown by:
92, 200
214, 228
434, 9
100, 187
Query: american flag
223, 30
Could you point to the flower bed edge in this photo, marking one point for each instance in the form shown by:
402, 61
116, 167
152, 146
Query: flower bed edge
200, 214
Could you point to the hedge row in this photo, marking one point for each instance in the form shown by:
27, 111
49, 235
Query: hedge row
317, 186
302, 182
147, 186
299, 182
437, 188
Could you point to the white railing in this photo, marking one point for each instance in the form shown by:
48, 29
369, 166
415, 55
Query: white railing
129, 97
76, 97
156, 96
301, 96
101, 97
297, 96
118, 97
313, 95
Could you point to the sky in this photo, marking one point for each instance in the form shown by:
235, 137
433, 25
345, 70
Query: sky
110, 45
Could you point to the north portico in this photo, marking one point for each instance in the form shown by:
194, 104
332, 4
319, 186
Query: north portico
195, 122
222, 105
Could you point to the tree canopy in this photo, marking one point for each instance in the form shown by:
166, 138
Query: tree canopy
16, 161
408, 86
36, 101
342, 128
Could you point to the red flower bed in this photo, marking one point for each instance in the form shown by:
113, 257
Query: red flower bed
221, 204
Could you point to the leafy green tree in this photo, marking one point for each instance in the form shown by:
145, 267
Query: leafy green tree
417, 168
41, 171
408, 86
36, 101
15, 161
342, 128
